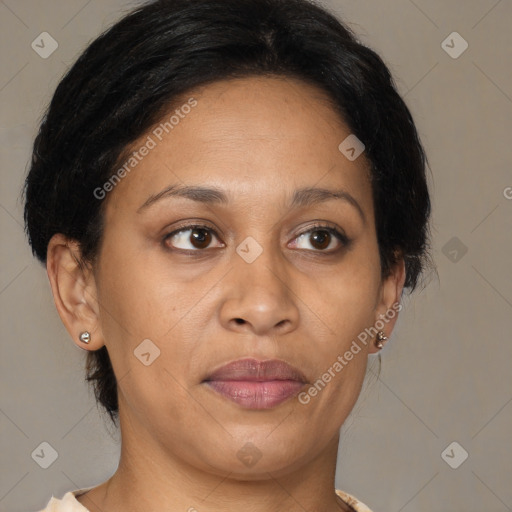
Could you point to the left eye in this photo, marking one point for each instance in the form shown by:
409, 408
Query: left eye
322, 238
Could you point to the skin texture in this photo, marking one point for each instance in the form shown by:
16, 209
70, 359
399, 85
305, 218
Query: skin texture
258, 139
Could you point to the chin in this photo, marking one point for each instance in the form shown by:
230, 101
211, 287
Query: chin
257, 460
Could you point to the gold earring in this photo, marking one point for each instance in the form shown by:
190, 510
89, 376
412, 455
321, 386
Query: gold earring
380, 338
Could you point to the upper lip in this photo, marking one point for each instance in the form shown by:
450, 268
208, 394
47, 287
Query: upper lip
257, 371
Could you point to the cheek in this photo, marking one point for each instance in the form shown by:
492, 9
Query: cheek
142, 298
144, 321
348, 296
342, 309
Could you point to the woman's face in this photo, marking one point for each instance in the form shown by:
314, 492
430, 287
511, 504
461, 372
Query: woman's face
262, 278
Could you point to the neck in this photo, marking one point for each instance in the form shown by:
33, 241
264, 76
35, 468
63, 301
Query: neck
149, 478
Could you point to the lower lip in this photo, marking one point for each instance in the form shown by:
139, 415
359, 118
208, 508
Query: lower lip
256, 395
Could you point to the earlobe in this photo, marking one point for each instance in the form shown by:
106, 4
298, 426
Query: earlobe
74, 292
389, 305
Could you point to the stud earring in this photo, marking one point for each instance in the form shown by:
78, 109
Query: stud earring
85, 337
380, 338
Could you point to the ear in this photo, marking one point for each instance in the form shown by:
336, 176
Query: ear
74, 291
388, 304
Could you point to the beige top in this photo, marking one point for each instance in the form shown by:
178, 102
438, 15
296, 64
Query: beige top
69, 503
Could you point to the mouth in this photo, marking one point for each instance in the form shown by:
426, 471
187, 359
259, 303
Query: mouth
254, 384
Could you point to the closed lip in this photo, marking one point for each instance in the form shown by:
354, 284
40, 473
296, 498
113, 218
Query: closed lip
253, 370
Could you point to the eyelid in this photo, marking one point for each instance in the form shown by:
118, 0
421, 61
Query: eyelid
331, 228
326, 226
186, 227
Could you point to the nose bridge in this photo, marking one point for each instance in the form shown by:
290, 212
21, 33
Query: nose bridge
266, 271
260, 292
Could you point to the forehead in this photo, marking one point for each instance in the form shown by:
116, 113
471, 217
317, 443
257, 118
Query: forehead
256, 137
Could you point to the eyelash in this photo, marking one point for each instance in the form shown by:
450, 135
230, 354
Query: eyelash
341, 237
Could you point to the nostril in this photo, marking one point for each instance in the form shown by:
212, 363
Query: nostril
239, 321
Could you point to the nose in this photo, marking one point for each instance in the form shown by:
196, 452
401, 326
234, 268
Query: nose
259, 297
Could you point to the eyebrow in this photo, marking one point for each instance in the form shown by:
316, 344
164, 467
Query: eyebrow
302, 197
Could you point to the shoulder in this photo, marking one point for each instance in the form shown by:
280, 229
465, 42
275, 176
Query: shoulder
68, 503
352, 502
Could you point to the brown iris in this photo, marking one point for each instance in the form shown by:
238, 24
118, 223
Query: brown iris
200, 236
322, 237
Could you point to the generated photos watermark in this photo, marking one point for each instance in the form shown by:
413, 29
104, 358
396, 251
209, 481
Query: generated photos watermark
150, 143
363, 337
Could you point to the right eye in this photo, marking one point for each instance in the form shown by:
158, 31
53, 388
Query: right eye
190, 238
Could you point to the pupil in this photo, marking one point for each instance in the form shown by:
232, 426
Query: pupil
201, 236
324, 238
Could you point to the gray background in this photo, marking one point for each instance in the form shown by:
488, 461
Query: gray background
446, 371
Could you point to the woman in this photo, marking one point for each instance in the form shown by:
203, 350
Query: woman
230, 199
